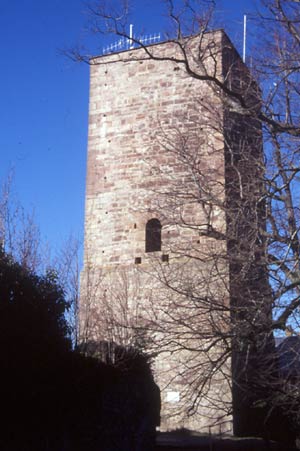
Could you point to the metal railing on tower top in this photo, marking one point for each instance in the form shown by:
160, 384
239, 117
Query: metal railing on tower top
131, 42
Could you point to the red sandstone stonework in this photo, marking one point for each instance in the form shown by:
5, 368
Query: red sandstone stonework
153, 130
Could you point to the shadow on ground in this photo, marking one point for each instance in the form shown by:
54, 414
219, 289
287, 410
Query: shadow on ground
184, 441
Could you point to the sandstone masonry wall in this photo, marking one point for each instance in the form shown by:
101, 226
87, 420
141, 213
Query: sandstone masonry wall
155, 149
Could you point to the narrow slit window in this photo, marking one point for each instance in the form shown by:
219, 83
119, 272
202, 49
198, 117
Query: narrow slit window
153, 235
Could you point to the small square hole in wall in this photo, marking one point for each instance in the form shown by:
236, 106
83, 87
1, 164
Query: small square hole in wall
138, 260
165, 257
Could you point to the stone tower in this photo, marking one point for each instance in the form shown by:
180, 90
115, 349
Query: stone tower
163, 154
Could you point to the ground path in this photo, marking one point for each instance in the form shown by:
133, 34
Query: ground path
169, 441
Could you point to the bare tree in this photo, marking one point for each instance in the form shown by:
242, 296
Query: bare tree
20, 237
258, 199
19, 232
66, 263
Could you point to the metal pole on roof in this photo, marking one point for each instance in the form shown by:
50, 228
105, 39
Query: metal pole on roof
245, 36
131, 35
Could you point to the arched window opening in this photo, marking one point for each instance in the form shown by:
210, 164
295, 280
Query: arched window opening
153, 235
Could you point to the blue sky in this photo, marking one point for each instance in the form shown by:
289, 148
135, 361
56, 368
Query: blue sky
44, 102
